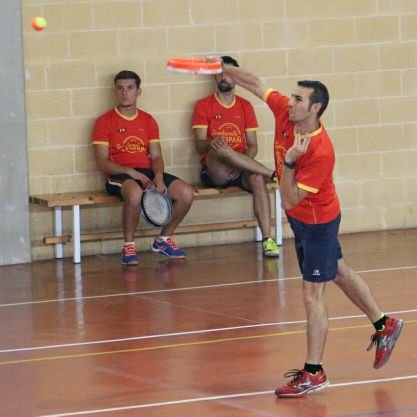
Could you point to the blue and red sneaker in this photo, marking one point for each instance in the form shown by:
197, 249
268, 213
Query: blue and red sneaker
168, 248
129, 256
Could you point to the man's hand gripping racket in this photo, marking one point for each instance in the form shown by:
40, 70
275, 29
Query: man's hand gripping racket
156, 206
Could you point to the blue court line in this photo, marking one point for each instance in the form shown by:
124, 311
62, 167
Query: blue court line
382, 413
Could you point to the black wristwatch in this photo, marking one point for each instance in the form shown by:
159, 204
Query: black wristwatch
290, 165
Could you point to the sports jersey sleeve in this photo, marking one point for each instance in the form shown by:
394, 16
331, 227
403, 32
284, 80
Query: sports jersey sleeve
199, 118
153, 130
251, 123
100, 134
277, 102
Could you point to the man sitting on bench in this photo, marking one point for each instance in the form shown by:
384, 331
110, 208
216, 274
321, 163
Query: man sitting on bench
224, 126
127, 149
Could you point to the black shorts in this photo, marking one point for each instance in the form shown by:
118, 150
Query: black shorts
114, 182
207, 180
318, 249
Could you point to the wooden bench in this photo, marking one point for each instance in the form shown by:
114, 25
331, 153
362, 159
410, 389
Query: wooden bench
77, 199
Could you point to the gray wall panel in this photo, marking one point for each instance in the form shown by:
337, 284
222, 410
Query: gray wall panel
14, 209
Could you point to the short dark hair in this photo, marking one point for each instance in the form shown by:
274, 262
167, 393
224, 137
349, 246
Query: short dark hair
320, 94
128, 75
228, 60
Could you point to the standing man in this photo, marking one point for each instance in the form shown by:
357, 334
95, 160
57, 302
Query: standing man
304, 159
127, 149
224, 126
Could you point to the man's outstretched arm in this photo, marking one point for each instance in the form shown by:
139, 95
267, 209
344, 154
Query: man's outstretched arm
246, 79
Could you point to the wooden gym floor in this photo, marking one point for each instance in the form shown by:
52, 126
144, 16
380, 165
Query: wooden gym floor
210, 336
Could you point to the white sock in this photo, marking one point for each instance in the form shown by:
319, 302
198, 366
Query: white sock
163, 238
129, 243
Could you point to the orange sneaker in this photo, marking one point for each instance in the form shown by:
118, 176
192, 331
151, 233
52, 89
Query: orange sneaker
385, 341
302, 383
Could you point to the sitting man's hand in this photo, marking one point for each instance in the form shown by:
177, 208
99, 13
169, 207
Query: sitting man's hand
160, 185
220, 144
136, 175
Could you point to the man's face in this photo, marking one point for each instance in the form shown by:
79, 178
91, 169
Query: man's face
299, 107
126, 93
224, 83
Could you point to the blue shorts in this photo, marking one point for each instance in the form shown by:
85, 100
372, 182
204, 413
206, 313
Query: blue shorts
318, 249
115, 181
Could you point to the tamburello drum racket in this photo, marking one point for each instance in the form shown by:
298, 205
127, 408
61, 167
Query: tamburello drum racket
203, 66
156, 207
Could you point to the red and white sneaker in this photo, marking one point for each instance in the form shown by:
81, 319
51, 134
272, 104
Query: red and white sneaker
302, 383
385, 341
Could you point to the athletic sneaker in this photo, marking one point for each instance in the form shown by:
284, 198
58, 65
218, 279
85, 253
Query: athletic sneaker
270, 248
385, 341
129, 256
302, 383
168, 248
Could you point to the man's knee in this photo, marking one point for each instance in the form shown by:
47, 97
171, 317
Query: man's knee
219, 171
187, 193
131, 193
222, 156
313, 292
181, 191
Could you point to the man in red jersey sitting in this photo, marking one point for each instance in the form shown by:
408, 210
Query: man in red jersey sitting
224, 127
127, 149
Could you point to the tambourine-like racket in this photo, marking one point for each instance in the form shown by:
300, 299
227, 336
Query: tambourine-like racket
156, 207
195, 65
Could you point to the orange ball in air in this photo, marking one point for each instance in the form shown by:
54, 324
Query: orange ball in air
39, 23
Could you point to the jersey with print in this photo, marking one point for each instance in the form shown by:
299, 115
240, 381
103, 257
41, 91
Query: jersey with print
230, 122
313, 170
127, 138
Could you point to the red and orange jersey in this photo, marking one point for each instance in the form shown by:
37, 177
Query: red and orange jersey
313, 171
128, 139
230, 122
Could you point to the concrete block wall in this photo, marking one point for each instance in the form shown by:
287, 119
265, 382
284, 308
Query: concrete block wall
365, 51
15, 244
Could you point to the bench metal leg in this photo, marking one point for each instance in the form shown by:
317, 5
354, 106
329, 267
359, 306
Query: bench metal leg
58, 231
76, 234
278, 217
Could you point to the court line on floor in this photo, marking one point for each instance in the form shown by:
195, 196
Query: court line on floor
200, 287
188, 333
221, 397
175, 345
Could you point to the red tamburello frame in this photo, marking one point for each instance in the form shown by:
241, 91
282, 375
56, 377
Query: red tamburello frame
194, 65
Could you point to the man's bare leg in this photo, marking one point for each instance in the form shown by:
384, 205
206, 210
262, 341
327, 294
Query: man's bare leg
132, 195
239, 161
261, 203
317, 320
357, 290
